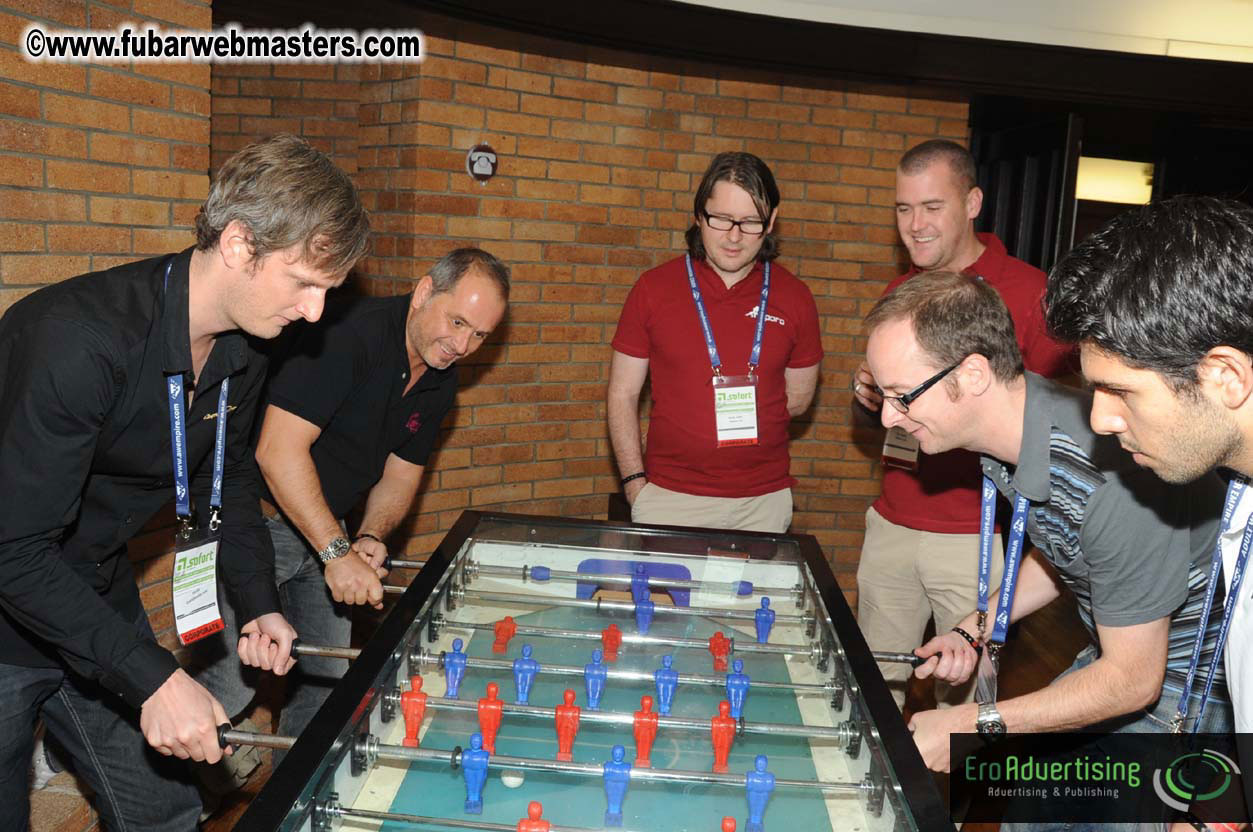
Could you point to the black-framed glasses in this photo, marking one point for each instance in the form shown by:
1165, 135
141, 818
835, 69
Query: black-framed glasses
753, 227
902, 403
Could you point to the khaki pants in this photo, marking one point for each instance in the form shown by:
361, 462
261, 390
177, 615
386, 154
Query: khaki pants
907, 577
767, 513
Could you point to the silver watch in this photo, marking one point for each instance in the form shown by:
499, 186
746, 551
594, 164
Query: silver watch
989, 722
337, 548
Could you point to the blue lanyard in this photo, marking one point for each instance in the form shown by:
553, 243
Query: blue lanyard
1234, 490
755, 356
1013, 557
178, 447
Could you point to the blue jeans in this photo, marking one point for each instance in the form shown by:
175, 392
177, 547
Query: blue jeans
1155, 719
309, 608
136, 788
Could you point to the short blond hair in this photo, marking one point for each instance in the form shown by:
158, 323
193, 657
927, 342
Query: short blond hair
287, 193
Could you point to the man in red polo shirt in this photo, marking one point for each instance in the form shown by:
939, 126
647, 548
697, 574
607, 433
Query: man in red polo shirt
920, 555
731, 342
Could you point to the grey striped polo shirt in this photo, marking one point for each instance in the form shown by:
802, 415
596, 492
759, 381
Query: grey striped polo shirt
1131, 547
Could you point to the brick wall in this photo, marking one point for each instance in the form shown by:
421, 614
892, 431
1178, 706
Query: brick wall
600, 155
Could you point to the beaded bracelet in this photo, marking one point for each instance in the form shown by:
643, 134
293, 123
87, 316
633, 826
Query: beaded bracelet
974, 645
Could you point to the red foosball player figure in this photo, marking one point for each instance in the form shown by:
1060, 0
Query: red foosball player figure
722, 731
413, 706
611, 640
720, 648
728, 825
567, 726
645, 731
505, 629
534, 823
490, 710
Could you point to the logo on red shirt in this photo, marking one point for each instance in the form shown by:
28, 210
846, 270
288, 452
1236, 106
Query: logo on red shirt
752, 313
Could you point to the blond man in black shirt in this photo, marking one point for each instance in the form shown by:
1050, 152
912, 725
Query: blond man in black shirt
88, 368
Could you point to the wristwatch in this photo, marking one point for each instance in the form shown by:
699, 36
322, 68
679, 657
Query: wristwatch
337, 548
989, 723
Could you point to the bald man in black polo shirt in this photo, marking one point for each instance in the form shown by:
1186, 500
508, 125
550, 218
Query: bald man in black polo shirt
354, 409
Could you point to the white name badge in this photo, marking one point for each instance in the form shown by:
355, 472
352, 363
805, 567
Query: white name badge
900, 449
735, 410
196, 613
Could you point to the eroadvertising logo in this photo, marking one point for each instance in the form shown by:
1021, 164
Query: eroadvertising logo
1096, 778
1194, 778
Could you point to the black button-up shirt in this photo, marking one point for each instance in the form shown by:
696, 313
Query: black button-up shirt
348, 375
85, 461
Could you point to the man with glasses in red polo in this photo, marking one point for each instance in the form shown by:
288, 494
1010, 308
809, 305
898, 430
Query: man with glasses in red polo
730, 341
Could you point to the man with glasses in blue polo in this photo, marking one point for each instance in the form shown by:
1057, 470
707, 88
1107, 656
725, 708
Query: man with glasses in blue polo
730, 340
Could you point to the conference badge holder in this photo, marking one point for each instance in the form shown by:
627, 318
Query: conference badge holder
735, 409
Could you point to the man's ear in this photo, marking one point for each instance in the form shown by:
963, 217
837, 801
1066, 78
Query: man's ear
235, 246
422, 291
974, 202
1226, 374
976, 374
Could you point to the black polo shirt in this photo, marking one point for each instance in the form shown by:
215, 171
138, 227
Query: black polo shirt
347, 375
85, 461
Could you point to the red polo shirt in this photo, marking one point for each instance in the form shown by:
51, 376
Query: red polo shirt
943, 494
659, 322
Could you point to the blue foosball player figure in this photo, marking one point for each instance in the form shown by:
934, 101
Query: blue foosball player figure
667, 679
639, 583
758, 784
617, 778
737, 687
474, 769
644, 615
764, 619
454, 668
524, 670
594, 676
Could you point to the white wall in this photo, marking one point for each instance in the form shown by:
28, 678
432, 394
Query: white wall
1214, 29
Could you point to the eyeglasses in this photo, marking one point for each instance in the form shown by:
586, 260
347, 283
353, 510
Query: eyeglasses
752, 227
902, 403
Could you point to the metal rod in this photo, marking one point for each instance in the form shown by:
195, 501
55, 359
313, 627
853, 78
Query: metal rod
897, 658
349, 653
455, 823
622, 606
683, 723
233, 737
419, 820
425, 657
375, 750
392, 563
637, 638
399, 752
625, 579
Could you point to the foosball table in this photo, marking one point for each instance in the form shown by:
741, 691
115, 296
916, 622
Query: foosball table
549, 675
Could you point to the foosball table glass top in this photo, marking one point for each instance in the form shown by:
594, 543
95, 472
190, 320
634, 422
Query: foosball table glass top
618, 678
